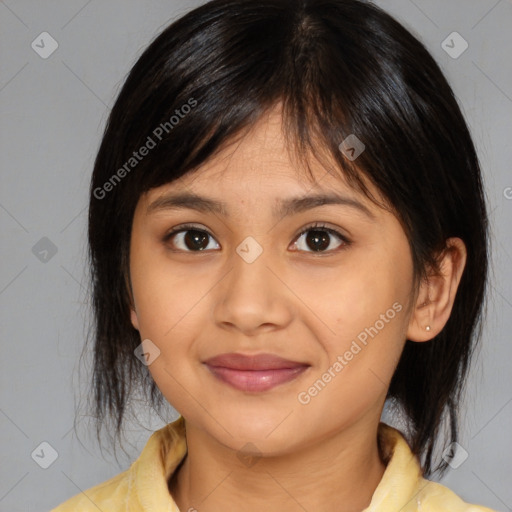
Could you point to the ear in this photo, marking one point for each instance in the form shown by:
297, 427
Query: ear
437, 294
134, 318
133, 312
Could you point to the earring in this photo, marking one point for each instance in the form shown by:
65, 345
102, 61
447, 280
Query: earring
427, 328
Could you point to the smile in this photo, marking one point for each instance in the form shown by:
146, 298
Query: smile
254, 373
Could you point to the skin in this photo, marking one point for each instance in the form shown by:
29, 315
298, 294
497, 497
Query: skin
291, 301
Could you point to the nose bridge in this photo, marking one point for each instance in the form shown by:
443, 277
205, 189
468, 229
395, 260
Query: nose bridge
250, 274
251, 295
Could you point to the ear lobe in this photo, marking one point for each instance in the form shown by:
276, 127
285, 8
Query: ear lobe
437, 294
133, 313
134, 319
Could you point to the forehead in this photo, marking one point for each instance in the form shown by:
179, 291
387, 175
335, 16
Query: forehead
259, 154
259, 164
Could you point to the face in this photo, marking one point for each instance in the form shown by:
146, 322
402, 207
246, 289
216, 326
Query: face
317, 293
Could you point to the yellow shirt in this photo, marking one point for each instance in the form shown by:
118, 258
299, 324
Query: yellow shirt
143, 487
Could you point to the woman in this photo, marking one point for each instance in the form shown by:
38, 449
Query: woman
287, 230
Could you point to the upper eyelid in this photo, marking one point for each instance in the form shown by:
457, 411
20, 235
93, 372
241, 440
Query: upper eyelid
315, 225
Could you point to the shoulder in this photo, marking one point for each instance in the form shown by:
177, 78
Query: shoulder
112, 495
404, 488
144, 485
434, 497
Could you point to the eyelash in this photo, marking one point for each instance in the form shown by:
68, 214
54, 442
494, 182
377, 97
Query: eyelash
317, 226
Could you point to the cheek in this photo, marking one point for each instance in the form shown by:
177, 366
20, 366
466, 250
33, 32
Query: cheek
162, 294
360, 352
171, 310
364, 305
168, 315
352, 297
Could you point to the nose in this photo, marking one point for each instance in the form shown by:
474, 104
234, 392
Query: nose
253, 297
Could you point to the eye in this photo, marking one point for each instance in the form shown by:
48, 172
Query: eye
319, 238
189, 238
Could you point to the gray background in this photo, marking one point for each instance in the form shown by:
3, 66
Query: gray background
52, 115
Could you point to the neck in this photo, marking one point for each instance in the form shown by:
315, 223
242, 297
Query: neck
336, 473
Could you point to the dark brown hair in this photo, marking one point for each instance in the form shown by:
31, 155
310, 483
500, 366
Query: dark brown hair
338, 67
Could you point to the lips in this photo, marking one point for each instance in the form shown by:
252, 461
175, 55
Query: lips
254, 373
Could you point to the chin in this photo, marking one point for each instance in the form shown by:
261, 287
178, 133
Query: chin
266, 431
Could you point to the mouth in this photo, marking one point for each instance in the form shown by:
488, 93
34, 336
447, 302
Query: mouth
254, 373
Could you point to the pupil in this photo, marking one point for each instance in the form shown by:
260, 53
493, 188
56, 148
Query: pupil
319, 239
196, 240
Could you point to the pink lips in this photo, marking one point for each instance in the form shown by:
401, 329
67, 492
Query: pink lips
254, 373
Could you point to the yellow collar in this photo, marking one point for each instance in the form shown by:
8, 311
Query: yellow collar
167, 447
402, 487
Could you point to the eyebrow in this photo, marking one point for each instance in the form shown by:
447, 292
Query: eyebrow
285, 207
